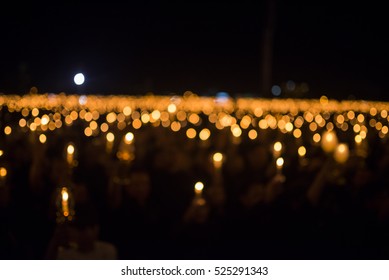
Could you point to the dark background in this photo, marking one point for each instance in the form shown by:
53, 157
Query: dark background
336, 49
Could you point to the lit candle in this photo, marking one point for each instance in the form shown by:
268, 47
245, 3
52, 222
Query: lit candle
280, 164
302, 151
126, 149
329, 141
198, 188
341, 153
110, 139
277, 148
64, 202
217, 160
3, 175
70, 154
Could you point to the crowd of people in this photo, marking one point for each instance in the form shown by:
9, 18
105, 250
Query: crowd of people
147, 208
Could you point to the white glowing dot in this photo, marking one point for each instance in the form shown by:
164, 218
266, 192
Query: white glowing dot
79, 79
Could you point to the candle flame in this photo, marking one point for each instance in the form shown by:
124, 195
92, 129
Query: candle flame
280, 162
70, 149
3, 172
65, 194
129, 138
199, 186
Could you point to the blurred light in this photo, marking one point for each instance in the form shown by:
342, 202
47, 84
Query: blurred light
222, 97
199, 186
191, 133
110, 137
253, 134
79, 79
129, 138
3, 172
290, 85
172, 108
70, 149
7, 130
42, 138
82, 100
302, 151
276, 90
204, 134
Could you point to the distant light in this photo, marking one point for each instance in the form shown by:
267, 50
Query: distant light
290, 85
276, 90
222, 97
128, 138
82, 100
79, 79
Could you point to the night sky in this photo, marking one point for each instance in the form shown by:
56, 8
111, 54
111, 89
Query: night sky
339, 50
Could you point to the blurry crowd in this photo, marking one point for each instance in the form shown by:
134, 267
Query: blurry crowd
314, 208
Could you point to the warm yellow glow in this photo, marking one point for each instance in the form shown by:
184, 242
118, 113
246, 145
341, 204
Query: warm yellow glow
88, 131
191, 133
194, 118
236, 131
35, 112
137, 123
204, 134
361, 118
253, 134
145, 118
104, 127
22, 122
7, 130
297, 133
111, 117
341, 153
329, 141
42, 138
45, 120
302, 151
110, 137
263, 124
288, 126
175, 126
323, 100
358, 139
93, 125
70, 149
277, 146
127, 111
65, 194
172, 108
316, 138
217, 157
1, 153
245, 122
279, 162
156, 114
3, 172
128, 138
199, 186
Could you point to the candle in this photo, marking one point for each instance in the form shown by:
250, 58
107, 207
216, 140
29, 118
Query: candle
217, 160
277, 148
302, 151
65, 201
329, 141
126, 150
110, 139
341, 153
3, 174
280, 164
70, 154
198, 188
